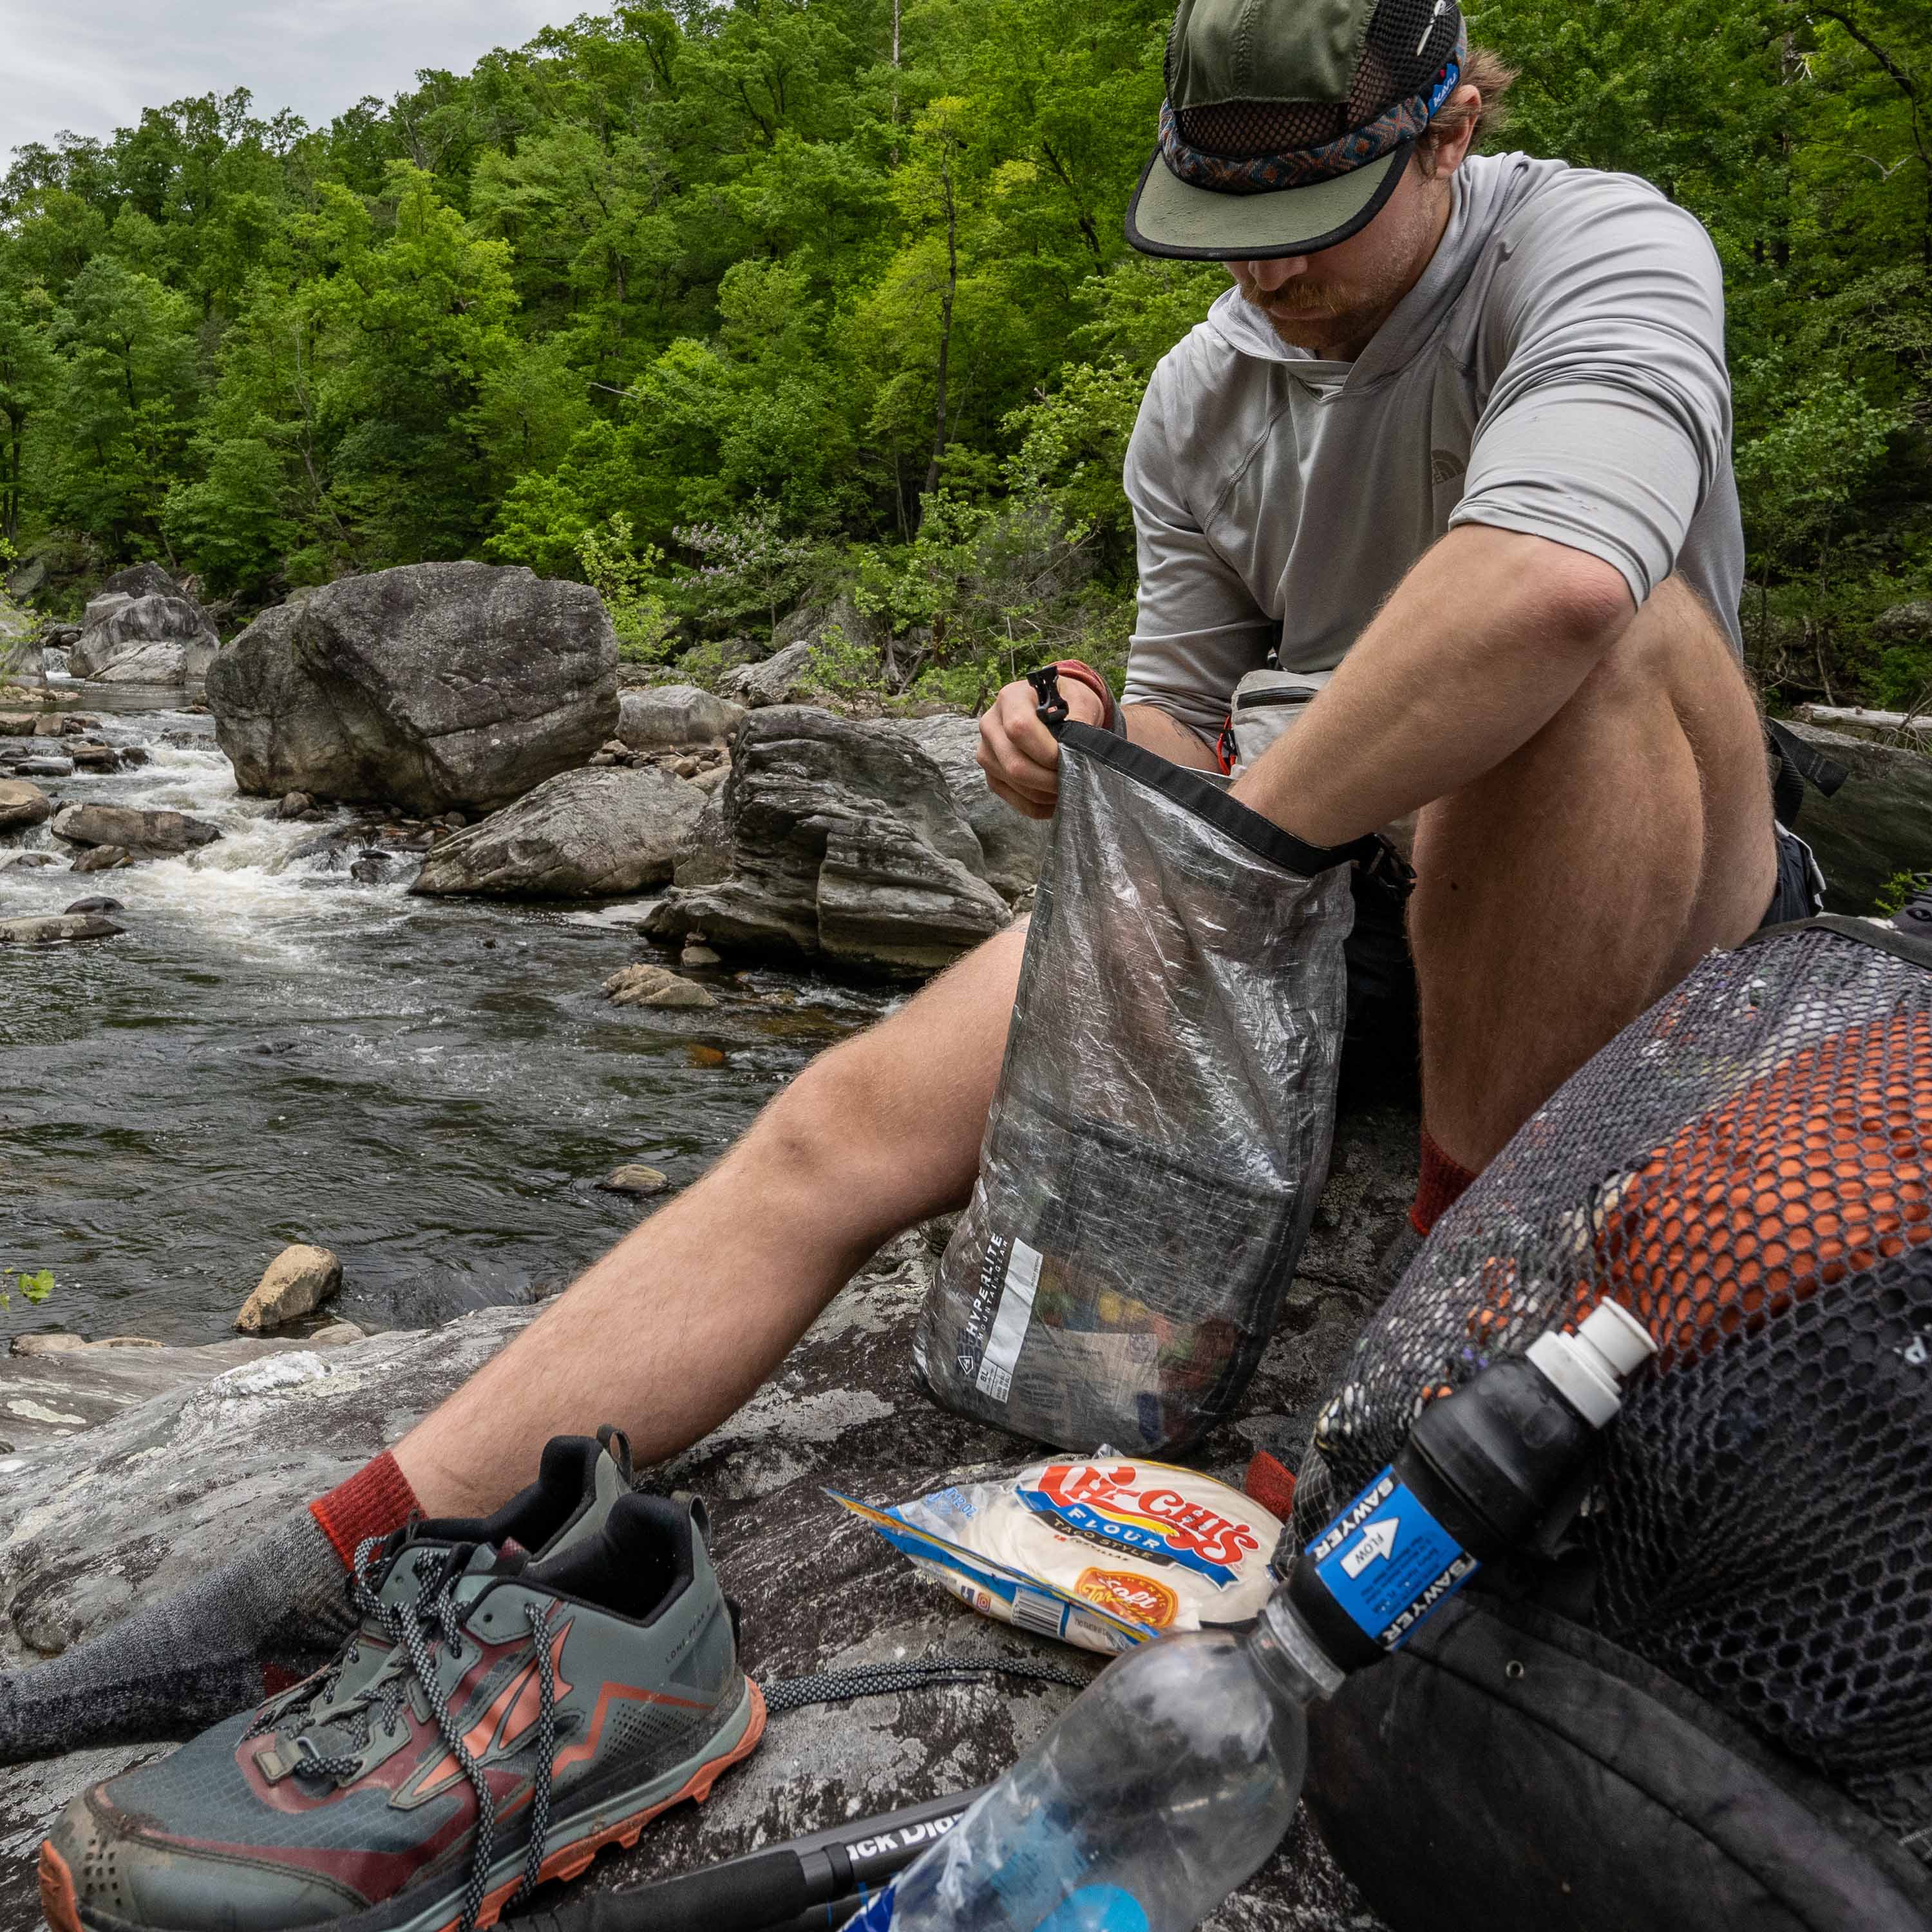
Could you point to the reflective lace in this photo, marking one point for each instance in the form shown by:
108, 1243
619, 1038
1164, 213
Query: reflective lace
416, 1630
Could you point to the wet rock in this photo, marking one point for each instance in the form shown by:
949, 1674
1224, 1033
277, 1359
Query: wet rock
846, 844
336, 1335
17, 723
1880, 821
96, 905
148, 633
1012, 845
73, 1344
94, 757
781, 678
645, 985
53, 929
102, 859
373, 869
153, 833
635, 1178
586, 834
50, 725
21, 804
27, 862
294, 804
675, 718
440, 685
296, 1282
43, 766
696, 953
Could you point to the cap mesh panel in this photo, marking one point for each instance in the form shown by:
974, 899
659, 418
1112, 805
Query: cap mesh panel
1391, 70
1749, 1168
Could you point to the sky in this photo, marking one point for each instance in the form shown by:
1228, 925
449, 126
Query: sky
92, 65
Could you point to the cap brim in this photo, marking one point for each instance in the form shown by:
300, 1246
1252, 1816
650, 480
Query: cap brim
1168, 217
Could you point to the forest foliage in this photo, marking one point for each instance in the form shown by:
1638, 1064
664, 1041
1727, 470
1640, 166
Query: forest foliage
723, 306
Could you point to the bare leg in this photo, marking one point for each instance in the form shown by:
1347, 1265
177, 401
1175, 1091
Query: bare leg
1572, 885
680, 1323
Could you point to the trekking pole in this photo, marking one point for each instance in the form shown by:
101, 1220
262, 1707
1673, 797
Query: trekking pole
810, 1884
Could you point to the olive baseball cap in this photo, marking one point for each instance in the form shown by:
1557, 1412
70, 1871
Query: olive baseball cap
1287, 123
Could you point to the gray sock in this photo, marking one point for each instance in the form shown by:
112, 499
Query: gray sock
169, 1669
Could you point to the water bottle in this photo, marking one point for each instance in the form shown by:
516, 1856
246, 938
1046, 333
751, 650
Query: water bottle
1170, 1779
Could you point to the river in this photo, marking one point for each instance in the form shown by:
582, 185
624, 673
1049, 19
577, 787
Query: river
274, 1053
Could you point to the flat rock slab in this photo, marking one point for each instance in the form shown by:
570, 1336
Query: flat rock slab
155, 832
56, 928
141, 1502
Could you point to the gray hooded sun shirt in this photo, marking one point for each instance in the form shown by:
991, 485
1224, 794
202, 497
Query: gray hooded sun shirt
1557, 369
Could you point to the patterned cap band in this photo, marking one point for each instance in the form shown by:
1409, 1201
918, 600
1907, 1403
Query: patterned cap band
1265, 174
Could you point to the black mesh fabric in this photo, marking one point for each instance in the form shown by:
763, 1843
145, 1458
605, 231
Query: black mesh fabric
1748, 1168
1408, 41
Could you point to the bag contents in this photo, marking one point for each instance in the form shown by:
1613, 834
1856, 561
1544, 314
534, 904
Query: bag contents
1162, 1124
1104, 1553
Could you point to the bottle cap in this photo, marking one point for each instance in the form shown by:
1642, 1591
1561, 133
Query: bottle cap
1618, 1336
1588, 1368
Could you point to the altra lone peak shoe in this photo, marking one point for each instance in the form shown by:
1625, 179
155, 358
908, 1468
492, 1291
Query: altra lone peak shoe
522, 1715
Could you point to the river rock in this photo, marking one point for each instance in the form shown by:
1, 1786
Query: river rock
373, 869
44, 765
49, 724
102, 859
1013, 844
27, 862
295, 1283
18, 724
781, 678
294, 804
141, 629
645, 985
587, 834
846, 844
1878, 823
53, 928
635, 1178
96, 905
153, 833
22, 804
436, 685
675, 717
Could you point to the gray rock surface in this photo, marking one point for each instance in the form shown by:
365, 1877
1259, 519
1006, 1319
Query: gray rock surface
152, 833
1013, 846
585, 834
846, 844
1905, 623
675, 717
139, 1503
646, 985
1879, 822
438, 685
781, 678
56, 928
149, 634
295, 1283
22, 804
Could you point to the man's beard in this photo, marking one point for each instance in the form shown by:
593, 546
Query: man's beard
1295, 303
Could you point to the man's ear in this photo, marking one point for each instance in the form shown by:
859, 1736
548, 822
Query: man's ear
1449, 154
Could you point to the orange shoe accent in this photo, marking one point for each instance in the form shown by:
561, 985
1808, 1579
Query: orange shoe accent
574, 1859
58, 1902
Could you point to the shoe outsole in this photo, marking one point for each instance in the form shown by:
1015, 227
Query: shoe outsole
60, 1903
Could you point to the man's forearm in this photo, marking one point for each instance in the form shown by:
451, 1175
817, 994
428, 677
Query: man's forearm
1148, 725
1481, 644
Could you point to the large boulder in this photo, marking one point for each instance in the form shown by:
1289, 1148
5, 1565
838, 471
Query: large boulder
22, 804
21, 660
781, 678
1013, 846
155, 833
675, 718
586, 834
846, 844
1878, 823
144, 1500
141, 628
440, 685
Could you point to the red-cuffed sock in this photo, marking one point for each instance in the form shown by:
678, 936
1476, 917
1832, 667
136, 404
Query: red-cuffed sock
1442, 1184
375, 1500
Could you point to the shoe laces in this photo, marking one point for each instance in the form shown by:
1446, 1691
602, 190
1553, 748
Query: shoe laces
416, 1630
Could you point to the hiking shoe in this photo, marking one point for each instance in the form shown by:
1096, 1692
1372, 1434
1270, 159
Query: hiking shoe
521, 1716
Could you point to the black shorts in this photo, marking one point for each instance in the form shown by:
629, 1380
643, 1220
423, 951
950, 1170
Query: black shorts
1380, 1053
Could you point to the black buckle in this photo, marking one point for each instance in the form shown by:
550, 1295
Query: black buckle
1051, 707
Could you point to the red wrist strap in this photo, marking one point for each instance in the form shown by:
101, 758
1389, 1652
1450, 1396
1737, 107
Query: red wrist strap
1085, 673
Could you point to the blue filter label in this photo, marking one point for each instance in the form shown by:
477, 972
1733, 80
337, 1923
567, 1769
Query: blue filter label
1388, 1562
1097, 1908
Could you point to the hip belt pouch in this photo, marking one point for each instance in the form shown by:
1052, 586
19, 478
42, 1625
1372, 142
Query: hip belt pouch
1164, 1116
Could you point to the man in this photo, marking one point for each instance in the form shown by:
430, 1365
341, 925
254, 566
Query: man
1460, 434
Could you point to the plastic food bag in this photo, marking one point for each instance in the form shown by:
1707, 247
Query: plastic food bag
1164, 1116
1104, 1554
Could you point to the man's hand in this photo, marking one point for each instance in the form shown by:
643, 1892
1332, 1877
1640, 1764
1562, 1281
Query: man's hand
1019, 755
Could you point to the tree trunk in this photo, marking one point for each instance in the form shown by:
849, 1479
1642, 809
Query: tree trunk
945, 321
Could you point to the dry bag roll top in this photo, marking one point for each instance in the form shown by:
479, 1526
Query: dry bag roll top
1748, 1169
1164, 1115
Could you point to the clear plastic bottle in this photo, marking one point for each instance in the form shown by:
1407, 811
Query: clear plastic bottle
1163, 1787
1169, 1781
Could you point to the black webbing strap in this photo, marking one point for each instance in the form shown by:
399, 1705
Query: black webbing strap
1798, 764
879, 1680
